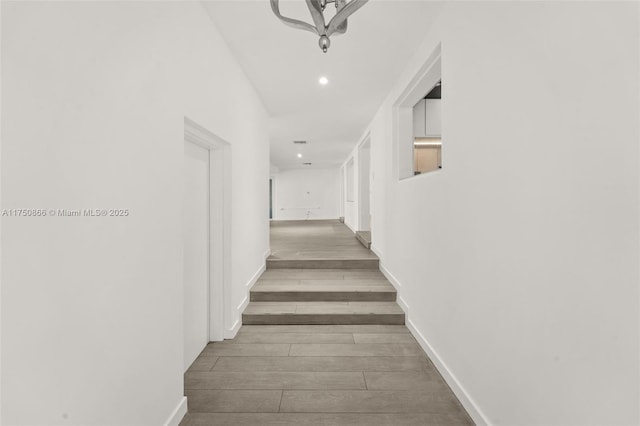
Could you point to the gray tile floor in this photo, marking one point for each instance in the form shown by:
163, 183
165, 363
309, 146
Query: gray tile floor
319, 375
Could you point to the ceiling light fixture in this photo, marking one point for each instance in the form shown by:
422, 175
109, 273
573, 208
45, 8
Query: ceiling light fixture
324, 81
337, 24
299, 155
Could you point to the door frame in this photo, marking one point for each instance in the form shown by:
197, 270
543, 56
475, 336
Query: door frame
364, 148
219, 310
274, 197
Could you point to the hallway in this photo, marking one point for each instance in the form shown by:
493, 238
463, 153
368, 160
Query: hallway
489, 147
345, 373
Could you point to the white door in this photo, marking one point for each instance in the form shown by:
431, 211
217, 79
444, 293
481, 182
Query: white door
196, 251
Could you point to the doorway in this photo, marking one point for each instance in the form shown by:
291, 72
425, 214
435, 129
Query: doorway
195, 221
206, 238
364, 186
270, 198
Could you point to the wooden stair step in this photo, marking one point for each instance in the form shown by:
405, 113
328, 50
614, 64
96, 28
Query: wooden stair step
284, 313
346, 291
322, 274
369, 263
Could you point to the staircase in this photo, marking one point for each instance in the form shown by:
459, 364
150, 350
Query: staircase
314, 293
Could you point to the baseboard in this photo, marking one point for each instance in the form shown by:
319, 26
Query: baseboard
392, 279
467, 402
403, 305
396, 284
375, 250
178, 414
231, 333
350, 227
267, 253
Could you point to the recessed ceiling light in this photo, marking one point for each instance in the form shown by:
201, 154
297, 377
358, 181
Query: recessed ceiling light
323, 80
299, 155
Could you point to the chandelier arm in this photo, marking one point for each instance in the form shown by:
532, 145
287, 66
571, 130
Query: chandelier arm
295, 23
315, 9
342, 28
341, 17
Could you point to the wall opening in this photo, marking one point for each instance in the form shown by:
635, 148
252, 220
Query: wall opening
364, 186
417, 119
270, 198
350, 213
350, 182
427, 133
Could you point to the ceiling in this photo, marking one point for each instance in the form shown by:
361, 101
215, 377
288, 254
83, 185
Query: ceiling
284, 64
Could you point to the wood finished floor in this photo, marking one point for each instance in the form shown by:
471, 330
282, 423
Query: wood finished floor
330, 375
317, 239
319, 375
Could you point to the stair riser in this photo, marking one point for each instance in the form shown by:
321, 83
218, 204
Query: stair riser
323, 264
315, 319
341, 296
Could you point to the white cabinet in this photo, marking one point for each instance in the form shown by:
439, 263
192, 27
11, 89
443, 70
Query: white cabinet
427, 116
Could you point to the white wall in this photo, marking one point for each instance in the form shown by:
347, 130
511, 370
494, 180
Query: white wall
307, 194
94, 96
518, 261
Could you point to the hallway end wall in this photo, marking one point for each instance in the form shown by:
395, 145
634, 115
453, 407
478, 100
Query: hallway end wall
518, 261
311, 194
94, 96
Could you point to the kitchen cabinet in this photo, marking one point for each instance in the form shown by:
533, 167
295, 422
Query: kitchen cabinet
427, 117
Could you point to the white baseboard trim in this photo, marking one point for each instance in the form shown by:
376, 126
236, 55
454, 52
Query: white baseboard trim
231, 333
267, 253
350, 227
403, 305
178, 414
254, 279
392, 279
376, 251
467, 402
249, 285
396, 284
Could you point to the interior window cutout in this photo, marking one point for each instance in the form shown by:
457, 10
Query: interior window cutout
427, 134
417, 121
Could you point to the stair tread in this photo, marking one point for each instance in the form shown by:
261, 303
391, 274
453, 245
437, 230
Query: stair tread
316, 288
322, 308
320, 274
323, 263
